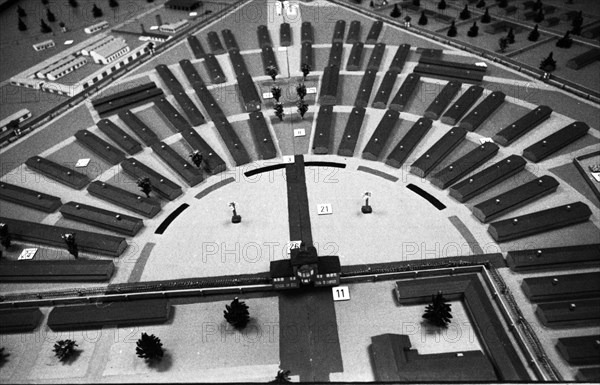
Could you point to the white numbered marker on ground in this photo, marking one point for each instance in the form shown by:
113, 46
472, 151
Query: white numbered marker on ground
299, 132
28, 253
193, 14
153, 27
292, 245
267, 95
486, 140
82, 162
341, 293
311, 90
288, 159
68, 42
324, 209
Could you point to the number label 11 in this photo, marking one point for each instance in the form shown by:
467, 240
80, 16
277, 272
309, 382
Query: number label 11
341, 293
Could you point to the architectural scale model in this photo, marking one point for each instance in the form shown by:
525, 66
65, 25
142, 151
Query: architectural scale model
258, 191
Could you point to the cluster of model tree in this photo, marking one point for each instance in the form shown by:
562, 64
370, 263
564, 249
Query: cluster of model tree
150, 348
302, 106
51, 17
564, 42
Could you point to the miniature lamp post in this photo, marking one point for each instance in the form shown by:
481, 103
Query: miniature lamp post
366, 209
235, 217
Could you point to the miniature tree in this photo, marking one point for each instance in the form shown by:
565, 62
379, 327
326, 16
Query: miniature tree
282, 377
237, 313
578, 20
149, 347
474, 30
503, 43
465, 13
302, 108
21, 12
301, 91
62, 26
442, 4
480, 4
145, 185
438, 312
576, 24
407, 21
565, 41
3, 357
272, 71
44, 28
416, 3
279, 110
64, 349
539, 17
548, 64
5, 238
22, 25
486, 18
197, 158
72, 247
96, 12
50, 16
396, 12
73, 3
113, 3
537, 5
423, 19
510, 37
503, 3
452, 31
305, 70
534, 35
371, 4
276, 92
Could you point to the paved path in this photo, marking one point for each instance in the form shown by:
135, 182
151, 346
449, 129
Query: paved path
309, 343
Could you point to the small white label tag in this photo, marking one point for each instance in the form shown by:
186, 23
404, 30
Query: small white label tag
340, 293
324, 209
